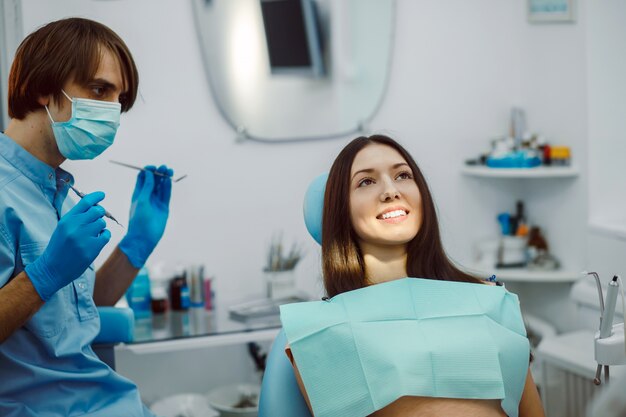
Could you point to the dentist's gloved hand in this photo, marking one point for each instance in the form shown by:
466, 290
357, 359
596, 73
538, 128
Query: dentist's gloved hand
148, 214
77, 240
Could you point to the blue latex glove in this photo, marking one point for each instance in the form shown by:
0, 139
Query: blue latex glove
148, 214
77, 240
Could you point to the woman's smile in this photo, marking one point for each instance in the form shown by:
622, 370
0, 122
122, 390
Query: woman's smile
393, 215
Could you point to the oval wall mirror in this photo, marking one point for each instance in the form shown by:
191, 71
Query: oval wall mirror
289, 70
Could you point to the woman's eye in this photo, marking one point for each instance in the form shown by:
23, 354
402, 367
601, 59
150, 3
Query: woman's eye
98, 91
404, 176
365, 182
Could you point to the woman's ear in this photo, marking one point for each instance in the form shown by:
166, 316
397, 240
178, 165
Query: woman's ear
43, 100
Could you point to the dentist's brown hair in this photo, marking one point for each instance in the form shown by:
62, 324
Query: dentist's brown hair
68, 49
342, 261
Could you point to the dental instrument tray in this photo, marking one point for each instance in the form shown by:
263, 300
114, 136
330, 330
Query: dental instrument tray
263, 308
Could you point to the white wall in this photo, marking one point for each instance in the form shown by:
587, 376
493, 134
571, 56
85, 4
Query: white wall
458, 67
553, 90
10, 36
606, 42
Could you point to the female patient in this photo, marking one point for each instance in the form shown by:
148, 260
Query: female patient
380, 225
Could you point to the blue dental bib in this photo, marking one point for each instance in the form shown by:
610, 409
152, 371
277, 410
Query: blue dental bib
362, 350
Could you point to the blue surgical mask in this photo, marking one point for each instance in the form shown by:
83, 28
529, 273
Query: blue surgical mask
90, 130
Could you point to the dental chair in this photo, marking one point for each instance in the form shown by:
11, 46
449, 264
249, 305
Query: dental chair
280, 394
116, 326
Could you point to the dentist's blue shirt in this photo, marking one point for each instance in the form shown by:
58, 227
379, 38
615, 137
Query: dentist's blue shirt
47, 367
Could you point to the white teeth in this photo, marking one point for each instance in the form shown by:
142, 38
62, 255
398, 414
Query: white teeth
395, 213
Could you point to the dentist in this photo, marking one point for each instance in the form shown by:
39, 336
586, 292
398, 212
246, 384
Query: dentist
69, 82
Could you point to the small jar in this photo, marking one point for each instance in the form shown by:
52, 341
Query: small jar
560, 155
537, 244
159, 300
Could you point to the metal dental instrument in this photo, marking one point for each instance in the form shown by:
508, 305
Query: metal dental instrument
607, 318
143, 169
597, 380
609, 311
81, 195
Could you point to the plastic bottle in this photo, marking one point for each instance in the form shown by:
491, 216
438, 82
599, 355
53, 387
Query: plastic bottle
536, 243
196, 286
185, 299
160, 276
138, 294
547, 160
179, 293
209, 294
159, 300
522, 225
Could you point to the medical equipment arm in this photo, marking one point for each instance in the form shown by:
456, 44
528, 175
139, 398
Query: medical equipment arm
77, 240
148, 214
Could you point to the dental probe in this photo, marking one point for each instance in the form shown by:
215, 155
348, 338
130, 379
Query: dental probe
143, 169
81, 195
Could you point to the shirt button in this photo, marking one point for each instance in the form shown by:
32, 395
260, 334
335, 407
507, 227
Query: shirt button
50, 176
81, 285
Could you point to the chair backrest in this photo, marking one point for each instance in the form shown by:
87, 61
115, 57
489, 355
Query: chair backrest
280, 394
116, 326
313, 207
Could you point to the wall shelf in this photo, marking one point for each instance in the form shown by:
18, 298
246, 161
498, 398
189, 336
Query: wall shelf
537, 172
526, 275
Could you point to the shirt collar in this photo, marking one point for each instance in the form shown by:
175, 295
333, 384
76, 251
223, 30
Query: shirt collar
49, 179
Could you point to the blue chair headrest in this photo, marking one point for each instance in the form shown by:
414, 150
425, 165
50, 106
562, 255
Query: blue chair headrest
314, 207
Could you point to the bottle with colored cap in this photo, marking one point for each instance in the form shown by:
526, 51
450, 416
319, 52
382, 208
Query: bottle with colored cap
138, 294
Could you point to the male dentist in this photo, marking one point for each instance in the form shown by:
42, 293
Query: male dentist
69, 82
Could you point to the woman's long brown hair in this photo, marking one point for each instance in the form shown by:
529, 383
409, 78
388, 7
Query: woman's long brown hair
342, 261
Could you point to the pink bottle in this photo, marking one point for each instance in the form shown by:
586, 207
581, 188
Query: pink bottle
208, 294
